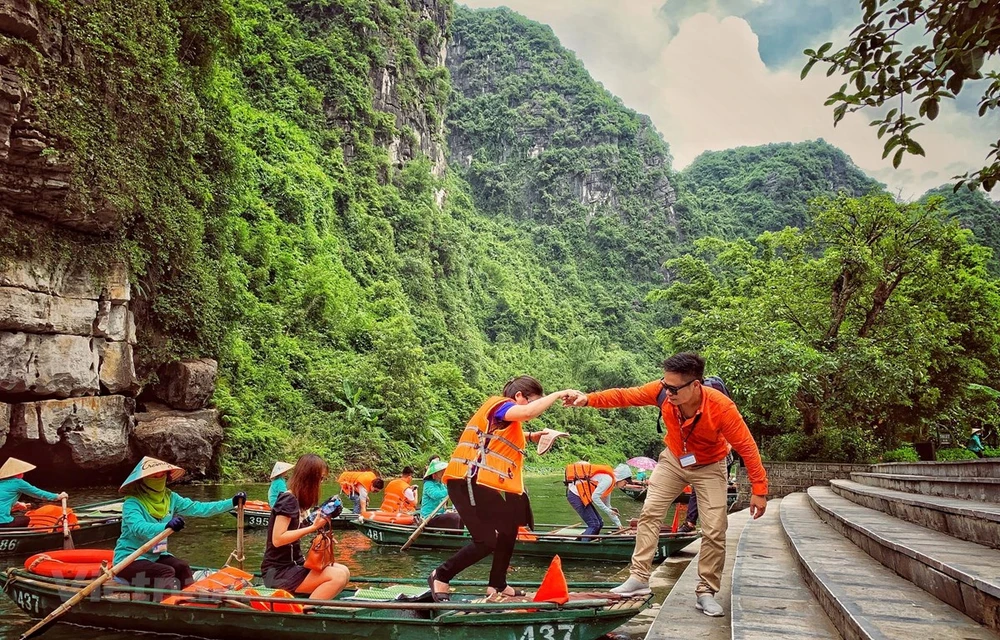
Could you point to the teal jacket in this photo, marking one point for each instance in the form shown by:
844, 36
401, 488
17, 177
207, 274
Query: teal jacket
277, 486
434, 493
11, 489
138, 527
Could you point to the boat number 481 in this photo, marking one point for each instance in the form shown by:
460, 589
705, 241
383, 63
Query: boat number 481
549, 632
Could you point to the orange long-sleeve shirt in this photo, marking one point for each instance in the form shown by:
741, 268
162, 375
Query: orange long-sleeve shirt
705, 434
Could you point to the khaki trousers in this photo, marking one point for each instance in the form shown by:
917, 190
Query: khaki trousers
668, 482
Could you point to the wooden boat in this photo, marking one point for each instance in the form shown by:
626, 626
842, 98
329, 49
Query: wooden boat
586, 616
258, 519
548, 540
95, 523
635, 491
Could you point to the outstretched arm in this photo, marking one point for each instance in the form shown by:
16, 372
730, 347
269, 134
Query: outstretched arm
535, 408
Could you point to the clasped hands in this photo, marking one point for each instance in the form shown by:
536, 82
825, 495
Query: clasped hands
573, 398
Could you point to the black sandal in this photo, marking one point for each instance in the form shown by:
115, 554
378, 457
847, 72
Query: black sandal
437, 596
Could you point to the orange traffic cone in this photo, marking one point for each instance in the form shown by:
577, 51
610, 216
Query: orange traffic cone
553, 587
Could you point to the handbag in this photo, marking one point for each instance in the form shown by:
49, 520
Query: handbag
321, 551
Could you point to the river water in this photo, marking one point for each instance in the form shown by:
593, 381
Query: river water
209, 541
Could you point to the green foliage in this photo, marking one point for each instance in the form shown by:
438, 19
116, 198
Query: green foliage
951, 43
955, 453
905, 453
977, 213
741, 193
867, 325
991, 452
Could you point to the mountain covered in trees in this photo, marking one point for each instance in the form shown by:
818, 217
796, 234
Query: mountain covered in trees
375, 212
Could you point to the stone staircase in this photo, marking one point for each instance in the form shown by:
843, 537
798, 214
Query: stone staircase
909, 551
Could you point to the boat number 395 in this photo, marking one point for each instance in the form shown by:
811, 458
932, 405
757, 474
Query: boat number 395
8, 544
27, 601
548, 632
258, 521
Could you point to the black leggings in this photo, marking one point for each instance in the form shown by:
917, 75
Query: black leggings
19, 522
493, 523
168, 572
446, 521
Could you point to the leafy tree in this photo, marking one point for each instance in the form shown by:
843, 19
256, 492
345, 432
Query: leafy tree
956, 41
839, 338
975, 212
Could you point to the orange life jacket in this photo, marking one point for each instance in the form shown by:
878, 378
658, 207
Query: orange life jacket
395, 500
49, 517
581, 475
349, 480
497, 454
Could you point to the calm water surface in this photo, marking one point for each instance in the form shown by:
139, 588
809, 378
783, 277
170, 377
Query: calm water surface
208, 542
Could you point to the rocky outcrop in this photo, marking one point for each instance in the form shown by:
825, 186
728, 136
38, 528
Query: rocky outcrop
48, 366
189, 439
188, 384
94, 431
5, 415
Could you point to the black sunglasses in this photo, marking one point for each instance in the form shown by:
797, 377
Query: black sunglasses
671, 389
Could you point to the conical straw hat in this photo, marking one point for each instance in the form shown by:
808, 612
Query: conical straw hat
14, 467
434, 467
280, 468
151, 466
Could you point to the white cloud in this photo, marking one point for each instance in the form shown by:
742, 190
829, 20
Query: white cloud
706, 88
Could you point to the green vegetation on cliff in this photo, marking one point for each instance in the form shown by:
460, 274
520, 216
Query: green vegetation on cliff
976, 212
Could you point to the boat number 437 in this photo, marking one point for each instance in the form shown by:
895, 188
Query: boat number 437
27, 601
548, 632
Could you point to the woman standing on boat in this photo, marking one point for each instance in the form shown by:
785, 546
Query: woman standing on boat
12, 486
485, 482
149, 508
282, 565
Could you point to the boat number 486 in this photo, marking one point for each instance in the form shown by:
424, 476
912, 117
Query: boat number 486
548, 632
8, 544
27, 601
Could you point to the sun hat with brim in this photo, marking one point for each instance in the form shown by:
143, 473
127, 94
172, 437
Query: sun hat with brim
622, 472
434, 467
977, 430
14, 467
280, 468
149, 467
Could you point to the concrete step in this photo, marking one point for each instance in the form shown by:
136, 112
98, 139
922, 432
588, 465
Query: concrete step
770, 599
981, 489
678, 618
864, 599
962, 574
989, 468
970, 520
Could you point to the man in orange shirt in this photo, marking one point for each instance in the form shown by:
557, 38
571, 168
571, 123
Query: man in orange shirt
699, 422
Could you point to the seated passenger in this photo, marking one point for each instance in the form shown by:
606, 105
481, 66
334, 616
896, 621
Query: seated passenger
400, 495
435, 492
282, 567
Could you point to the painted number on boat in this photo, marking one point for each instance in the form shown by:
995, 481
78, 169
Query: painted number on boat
374, 534
27, 601
549, 632
257, 521
8, 544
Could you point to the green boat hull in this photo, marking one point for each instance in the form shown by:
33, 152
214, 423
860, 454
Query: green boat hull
115, 610
253, 519
635, 494
90, 531
606, 548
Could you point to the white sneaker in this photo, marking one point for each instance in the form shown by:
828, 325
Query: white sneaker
632, 587
707, 605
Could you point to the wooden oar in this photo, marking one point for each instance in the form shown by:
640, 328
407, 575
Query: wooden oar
67, 537
240, 557
423, 525
42, 626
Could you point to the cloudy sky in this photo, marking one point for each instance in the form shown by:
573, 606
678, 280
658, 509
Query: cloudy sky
715, 74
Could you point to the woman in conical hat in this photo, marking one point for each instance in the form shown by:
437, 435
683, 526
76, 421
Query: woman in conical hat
150, 507
278, 485
434, 492
12, 485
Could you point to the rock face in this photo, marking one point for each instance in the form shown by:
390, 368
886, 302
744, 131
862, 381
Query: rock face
23, 310
188, 384
5, 411
96, 431
189, 439
51, 366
